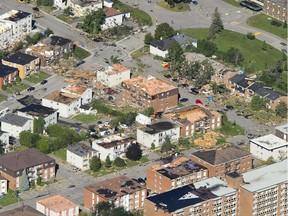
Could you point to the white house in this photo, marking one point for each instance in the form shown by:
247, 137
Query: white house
87, 109
113, 18
160, 48
113, 75
143, 119
14, 124
156, 133
84, 93
3, 185
114, 146
81, 7
36, 110
79, 155
57, 206
269, 146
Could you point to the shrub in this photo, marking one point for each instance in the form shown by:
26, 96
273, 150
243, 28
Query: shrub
119, 162
250, 36
39, 180
276, 23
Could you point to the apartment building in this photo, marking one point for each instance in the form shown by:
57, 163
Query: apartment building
180, 172
207, 197
57, 206
150, 92
220, 162
31, 161
156, 132
24, 210
194, 118
282, 132
276, 9
122, 191
7, 75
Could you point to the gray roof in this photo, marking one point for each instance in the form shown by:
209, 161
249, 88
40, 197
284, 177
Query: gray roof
158, 127
264, 177
14, 119
264, 91
283, 128
274, 95
80, 149
237, 78
163, 44
269, 142
184, 40
22, 211
255, 86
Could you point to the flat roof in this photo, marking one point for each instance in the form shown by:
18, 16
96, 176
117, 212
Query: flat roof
158, 127
113, 143
57, 203
20, 58
115, 69
61, 97
192, 194
267, 176
76, 89
57, 40
14, 15
29, 99
283, 128
37, 110
13, 119
6, 70
269, 142
80, 149
22, 211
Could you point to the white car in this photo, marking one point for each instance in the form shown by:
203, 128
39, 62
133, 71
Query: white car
206, 91
123, 126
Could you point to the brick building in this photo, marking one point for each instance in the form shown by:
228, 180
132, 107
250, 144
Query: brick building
150, 92
7, 75
122, 191
276, 9
223, 161
180, 172
34, 162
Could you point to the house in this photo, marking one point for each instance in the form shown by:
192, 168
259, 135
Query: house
276, 9
156, 132
240, 83
181, 171
83, 92
15, 24
223, 161
113, 146
7, 75
87, 109
31, 161
113, 18
269, 146
184, 40
24, 210
150, 92
282, 132
194, 119
25, 63
274, 99
160, 47
122, 191
80, 155
81, 7
113, 75
34, 111
14, 124
143, 119
57, 206
207, 197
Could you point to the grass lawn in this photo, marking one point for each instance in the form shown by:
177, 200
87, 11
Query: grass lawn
9, 198
47, 9
178, 7
263, 22
84, 118
140, 52
2, 98
80, 53
235, 3
251, 49
229, 129
65, 18
18, 87
60, 153
37, 77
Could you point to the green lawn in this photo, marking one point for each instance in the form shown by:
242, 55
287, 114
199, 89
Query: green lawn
2, 97
47, 9
178, 7
83, 118
235, 3
60, 153
17, 87
229, 129
37, 77
263, 22
9, 198
140, 52
80, 53
251, 49
65, 18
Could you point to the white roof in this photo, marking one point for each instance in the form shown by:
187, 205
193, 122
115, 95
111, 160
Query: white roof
266, 177
269, 141
283, 128
218, 187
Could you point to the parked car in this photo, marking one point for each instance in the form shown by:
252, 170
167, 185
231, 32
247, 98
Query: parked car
194, 91
17, 93
195, 2
79, 63
229, 107
175, 80
185, 85
183, 100
167, 76
43, 82
30, 89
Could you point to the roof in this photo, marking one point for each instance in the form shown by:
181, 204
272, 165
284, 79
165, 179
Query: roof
158, 127
183, 39
274, 95
80, 149
115, 69
60, 97
37, 110
255, 86
111, 12
14, 15
85, 3
264, 91
75, 89
283, 128
220, 156
24, 159
267, 176
283, 3
57, 40
113, 143
110, 189
269, 142
22, 211
14, 119
245, 82
150, 85
237, 78
192, 194
29, 99
163, 44
20, 58
6, 70
57, 203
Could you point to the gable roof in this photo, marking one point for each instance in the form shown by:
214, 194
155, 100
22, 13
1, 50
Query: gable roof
183, 39
237, 78
255, 86
20, 58
14, 119
163, 44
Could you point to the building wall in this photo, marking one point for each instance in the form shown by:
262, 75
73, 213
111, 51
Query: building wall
113, 21
158, 52
281, 135
6, 33
264, 154
14, 130
87, 96
50, 119
80, 162
3, 186
274, 10
275, 103
81, 11
113, 79
8, 79
67, 212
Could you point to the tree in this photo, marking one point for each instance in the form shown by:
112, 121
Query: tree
39, 180
38, 125
28, 139
148, 38
67, 11
285, 24
24, 182
234, 56
108, 162
103, 208
163, 31
167, 145
95, 164
264, 46
250, 36
92, 21
119, 162
120, 211
43, 146
256, 103
153, 146
134, 152
149, 111
207, 48
175, 51
281, 109
48, 32
185, 142
216, 26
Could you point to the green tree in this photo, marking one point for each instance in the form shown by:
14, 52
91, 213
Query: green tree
120, 211
285, 24
92, 21
28, 139
134, 152
264, 45
103, 208
256, 103
38, 125
67, 11
148, 38
207, 48
281, 109
153, 146
95, 164
48, 32
216, 26
39, 180
163, 31
2, 148
24, 181
175, 51
234, 56
108, 162
119, 162
149, 111
167, 145
43, 146
185, 142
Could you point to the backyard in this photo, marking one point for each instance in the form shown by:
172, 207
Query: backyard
140, 52
9, 198
60, 153
16, 87
86, 119
37, 77
66, 18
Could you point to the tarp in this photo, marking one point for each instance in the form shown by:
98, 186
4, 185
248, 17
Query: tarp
198, 101
210, 98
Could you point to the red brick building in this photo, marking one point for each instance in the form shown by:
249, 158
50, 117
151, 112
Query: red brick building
7, 75
276, 9
150, 92
122, 191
